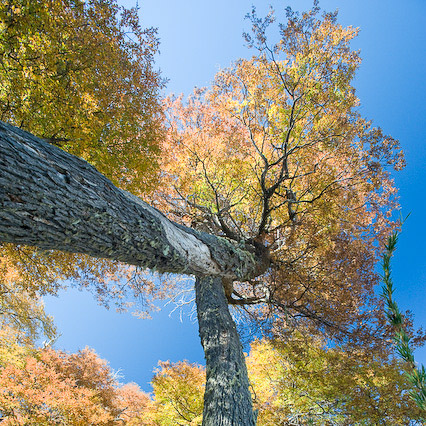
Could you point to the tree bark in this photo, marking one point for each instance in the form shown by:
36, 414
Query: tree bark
227, 398
53, 200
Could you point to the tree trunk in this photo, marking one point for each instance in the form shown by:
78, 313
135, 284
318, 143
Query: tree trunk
53, 200
227, 398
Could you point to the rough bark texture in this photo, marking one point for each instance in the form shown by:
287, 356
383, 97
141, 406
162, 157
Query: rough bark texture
53, 200
227, 398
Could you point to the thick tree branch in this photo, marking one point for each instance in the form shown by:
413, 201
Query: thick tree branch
53, 200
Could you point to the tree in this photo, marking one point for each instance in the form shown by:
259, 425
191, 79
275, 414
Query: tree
136, 406
80, 74
304, 382
40, 392
52, 387
275, 153
299, 382
290, 184
20, 306
15, 346
178, 390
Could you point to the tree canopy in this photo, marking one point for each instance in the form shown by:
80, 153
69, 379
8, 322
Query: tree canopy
80, 74
269, 187
276, 155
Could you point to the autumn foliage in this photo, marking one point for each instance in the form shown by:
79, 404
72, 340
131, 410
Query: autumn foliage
300, 381
274, 157
52, 387
80, 74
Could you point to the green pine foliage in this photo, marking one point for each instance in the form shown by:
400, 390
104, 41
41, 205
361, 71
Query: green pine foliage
416, 375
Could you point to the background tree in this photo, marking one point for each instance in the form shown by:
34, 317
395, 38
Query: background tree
15, 346
178, 390
20, 304
136, 406
80, 74
39, 394
52, 387
302, 382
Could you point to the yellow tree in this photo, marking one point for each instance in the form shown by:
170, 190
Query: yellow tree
301, 381
178, 390
20, 304
80, 74
297, 381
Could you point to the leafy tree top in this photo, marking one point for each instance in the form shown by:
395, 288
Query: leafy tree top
276, 155
80, 74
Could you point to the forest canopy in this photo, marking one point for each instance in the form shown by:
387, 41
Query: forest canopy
268, 186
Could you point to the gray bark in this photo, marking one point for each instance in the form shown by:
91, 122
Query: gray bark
53, 200
227, 398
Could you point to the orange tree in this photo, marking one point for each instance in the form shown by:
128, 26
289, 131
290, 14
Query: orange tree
276, 155
276, 190
41, 391
52, 387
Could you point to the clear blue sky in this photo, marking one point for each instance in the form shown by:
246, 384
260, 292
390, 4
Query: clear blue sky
198, 37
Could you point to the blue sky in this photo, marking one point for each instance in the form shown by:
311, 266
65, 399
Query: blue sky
199, 37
